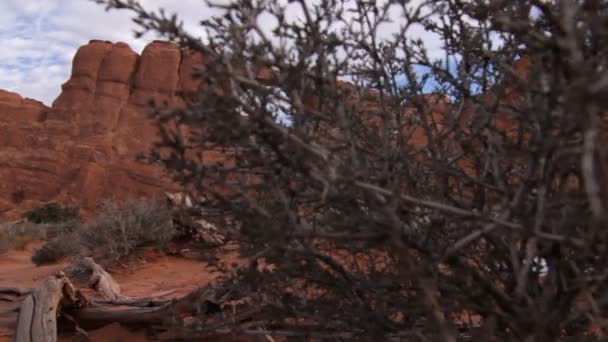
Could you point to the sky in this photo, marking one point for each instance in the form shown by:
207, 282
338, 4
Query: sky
40, 37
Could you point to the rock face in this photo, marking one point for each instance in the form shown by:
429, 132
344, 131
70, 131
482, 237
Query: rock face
82, 149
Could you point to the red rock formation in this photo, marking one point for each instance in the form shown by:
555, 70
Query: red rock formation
82, 149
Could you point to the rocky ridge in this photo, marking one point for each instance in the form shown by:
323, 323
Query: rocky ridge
82, 149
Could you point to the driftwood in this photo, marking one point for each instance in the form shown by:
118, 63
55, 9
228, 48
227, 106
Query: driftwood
37, 320
101, 281
176, 319
206, 312
9, 290
34, 313
34, 316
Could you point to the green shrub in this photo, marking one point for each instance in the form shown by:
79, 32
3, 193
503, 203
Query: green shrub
52, 213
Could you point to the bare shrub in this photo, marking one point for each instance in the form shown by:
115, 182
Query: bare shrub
118, 231
58, 248
121, 228
19, 235
457, 167
63, 241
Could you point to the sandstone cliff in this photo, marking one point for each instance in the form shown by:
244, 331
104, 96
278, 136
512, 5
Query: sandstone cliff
82, 149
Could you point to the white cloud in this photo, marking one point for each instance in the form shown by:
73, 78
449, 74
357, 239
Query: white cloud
40, 38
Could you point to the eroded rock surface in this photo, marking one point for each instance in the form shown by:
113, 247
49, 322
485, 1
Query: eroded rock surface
82, 149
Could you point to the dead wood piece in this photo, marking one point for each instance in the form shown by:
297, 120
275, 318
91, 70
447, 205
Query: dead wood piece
19, 291
10, 302
37, 320
93, 317
7, 298
145, 312
209, 233
34, 317
101, 281
139, 303
12, 307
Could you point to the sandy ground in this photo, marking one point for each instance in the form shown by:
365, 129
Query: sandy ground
16, 268
154, 274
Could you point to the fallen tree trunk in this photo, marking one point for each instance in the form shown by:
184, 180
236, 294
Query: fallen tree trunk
37, 320
30, 324
34, 312
96, 317
180, 318
57, 306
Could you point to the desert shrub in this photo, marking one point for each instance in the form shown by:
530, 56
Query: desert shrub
119, 229
52, 213
64, 240
64, 245
63, 228
19, 235
458, 171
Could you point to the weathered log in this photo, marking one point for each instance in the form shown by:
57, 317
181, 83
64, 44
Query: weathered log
101, 281
37, 320
93, 317
19, 291
89, 314
40, 308
141, 302
200, 301
10, 301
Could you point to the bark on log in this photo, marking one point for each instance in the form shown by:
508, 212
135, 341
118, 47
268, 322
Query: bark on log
37, 320
39, 308
95, 317
10, 301
101, 281
15, 290
89, 314
103, 313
